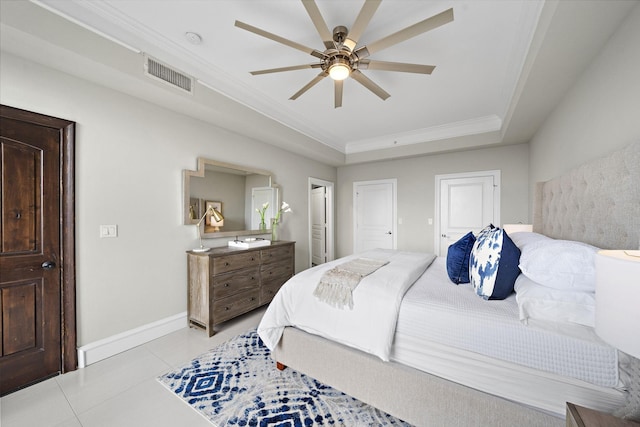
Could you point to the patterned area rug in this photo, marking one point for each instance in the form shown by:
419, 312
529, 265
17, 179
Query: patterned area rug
237, 384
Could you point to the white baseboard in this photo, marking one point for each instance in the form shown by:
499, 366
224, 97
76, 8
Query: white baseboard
107, 347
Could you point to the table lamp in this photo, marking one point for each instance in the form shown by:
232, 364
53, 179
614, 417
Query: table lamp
618, 299
215, 216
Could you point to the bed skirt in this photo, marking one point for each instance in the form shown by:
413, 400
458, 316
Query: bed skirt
414, 396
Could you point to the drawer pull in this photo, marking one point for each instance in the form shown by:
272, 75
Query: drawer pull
226, 309
253, 278
253, 259
226, 285
226, 264
253, 298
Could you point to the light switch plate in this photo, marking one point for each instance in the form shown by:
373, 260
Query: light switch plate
108, 231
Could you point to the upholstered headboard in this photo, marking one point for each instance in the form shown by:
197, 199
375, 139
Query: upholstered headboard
597, 203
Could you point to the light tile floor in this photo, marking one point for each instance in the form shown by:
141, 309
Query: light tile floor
121, 390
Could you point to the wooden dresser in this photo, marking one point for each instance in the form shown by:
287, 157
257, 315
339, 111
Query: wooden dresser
227, 282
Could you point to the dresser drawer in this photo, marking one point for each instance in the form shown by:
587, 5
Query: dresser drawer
236, 261
276, 254
235, 305
273, 277
269, 290
235, 282
272, 271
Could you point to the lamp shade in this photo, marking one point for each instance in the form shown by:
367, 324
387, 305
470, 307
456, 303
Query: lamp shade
216, 219
216, 216
513, 228
618, 299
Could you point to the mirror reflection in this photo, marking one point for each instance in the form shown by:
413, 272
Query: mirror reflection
227, 198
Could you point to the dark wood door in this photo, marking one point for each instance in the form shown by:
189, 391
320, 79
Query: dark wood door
31, 253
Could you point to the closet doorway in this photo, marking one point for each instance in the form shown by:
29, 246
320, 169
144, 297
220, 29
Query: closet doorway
321, 227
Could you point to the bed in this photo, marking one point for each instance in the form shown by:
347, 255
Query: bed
477, 363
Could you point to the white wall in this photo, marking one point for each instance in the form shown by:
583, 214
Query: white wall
129, 160
416, 190
601, 113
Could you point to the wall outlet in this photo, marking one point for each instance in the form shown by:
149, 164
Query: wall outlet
108, 231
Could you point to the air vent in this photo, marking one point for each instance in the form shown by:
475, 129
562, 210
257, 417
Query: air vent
156, 69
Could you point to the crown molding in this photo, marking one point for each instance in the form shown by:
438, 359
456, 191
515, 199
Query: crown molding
475, 126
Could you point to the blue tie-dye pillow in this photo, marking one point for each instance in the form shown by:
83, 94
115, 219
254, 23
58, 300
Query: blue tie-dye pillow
458, 259
493, 265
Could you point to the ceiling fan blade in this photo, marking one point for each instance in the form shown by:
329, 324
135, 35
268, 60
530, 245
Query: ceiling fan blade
338, 85
279, 39
367, 64
281, 69
409, 32
319, 22
369, 84
360, 24
309, 85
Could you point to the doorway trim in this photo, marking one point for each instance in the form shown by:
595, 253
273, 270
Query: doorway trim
66, 128
330, 218
438, 180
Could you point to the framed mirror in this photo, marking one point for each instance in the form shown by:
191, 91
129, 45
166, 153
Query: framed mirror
235, 192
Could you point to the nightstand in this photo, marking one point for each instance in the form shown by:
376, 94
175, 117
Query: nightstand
578, 416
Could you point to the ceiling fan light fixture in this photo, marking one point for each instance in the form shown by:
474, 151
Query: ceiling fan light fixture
342, 57
339, 69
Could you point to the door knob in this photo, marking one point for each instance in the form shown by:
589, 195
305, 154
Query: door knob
388, 232
48, 265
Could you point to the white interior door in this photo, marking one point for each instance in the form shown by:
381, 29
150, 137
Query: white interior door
318, 226
466, 203
374, 215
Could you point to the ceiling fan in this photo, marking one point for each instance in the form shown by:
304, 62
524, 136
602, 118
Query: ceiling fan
343, 57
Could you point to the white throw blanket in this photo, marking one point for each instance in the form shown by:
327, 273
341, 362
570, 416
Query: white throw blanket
337, 285
370, 326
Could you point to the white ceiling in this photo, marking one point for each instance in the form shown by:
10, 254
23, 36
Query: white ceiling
501, 66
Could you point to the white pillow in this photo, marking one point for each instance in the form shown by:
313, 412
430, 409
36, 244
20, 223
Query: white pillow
560, 264
522, 239
542, 303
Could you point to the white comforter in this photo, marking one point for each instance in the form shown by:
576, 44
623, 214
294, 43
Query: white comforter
370, 326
